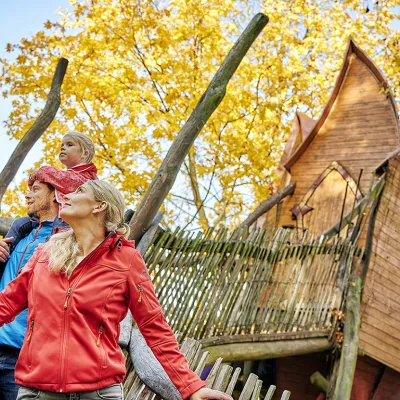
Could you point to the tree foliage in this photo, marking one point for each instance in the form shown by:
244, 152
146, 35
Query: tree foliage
138, 67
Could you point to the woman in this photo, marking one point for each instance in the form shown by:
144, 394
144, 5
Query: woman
78, 287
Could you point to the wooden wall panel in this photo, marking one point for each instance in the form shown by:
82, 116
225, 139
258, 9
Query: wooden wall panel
380, 325
366, 378
327, 202
359, 132
293, 374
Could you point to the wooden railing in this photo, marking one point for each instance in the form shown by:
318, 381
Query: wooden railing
221, 284
221, 377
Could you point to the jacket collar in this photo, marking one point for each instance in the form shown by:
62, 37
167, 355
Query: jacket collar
57, 223
114, 240
89, 167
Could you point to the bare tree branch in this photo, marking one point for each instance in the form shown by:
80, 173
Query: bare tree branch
37, 129
268, 204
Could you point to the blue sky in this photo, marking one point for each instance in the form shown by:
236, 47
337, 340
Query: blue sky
18, 19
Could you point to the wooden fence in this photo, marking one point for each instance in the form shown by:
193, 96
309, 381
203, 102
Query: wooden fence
221, 284
221, 377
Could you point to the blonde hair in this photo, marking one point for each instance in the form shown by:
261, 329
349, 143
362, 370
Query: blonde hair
63, 247
84, 142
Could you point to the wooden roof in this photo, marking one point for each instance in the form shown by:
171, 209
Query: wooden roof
352, 48
302, 126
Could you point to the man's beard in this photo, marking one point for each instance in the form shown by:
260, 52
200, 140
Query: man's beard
40, 209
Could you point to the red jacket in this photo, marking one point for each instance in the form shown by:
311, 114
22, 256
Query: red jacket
65, 181
73, 325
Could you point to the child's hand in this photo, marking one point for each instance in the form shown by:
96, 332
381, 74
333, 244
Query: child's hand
32, 176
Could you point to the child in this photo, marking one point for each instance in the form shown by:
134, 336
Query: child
77, 152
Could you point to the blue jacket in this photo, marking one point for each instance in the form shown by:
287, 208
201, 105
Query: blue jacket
28, 234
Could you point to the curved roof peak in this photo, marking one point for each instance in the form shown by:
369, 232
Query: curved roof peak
302, 126
352, 48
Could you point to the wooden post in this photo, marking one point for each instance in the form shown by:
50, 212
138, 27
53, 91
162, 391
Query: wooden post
266, 205
209, 101
319, 381
358, 209
36, 130
333, 378
349, 354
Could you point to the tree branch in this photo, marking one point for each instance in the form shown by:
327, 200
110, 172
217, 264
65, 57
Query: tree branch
268, 204
166, 175
37, 129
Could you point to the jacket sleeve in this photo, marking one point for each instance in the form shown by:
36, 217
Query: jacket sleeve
65, 181
20, 228
147, 313
14, 298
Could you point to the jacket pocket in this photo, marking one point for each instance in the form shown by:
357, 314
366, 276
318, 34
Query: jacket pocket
29, 340
99, 343
147, 294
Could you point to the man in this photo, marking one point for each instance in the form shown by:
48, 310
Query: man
15, 250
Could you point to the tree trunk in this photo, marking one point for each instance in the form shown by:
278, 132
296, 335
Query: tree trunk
266, 205
5, 225
38, 128
349, 353
166, 175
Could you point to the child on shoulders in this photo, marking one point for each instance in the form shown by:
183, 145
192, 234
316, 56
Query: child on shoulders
76, 153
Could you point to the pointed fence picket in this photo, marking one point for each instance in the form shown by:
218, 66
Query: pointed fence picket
248, 283
221, 377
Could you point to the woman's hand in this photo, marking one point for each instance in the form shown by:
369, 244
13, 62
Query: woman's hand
206, 393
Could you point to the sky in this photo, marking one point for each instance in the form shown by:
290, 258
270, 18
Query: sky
19, 19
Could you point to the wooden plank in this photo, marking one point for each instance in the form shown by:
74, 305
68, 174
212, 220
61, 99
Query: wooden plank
233, 381
270, 393
379, 334
249, 387
357, 137
390, 294
345, 156
214, 372
381, 321
379, 302
387, 248
375, 349
361, 146
223, 378
285, 395
388, 276
365, 106
388, 282
386, 252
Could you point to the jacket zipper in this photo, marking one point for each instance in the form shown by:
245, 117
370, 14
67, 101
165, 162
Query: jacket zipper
99, 337
69, 292
140, 293
27, 247
67, 298
28, 339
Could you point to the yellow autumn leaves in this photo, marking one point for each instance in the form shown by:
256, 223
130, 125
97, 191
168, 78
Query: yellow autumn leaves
138, 68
